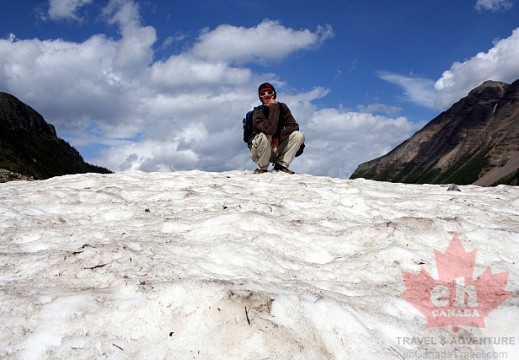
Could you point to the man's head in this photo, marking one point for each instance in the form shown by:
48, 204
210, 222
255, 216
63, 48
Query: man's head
266, 91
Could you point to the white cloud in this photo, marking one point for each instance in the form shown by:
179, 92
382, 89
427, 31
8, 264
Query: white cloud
135, 50
417, 89
337, 140
379, 108
172, 39
64, 78
66, 9
152, 155
233, 44
493, 5
182, 71
184, 112
500, 63
349, 138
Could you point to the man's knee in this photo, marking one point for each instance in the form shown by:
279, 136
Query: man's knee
260, 138
298, 136
259, 147
260, 142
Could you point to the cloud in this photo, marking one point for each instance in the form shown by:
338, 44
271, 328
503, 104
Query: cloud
183, 71
233, 44
134, 50
493, 5
337, 140
66, 9
379, 108
64, 78
183, 112
349, 138
418, 90
500, 63
168, 41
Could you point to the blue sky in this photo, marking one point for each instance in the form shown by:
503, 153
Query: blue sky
163, 85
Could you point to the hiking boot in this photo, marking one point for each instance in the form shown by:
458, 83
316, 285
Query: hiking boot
281, 168
259, 171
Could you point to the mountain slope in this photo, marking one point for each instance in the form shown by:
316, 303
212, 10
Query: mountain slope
30, 146
475, 141
235, 266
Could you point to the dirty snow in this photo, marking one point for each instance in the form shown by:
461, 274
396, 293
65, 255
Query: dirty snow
232, 265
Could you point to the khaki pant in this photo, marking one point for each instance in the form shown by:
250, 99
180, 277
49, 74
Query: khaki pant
262, 152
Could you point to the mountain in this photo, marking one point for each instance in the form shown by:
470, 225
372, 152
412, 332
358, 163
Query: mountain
30, 147
476, 141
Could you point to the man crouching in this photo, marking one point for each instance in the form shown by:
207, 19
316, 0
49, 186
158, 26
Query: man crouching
275, 136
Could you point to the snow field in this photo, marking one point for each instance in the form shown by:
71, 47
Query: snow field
231, 265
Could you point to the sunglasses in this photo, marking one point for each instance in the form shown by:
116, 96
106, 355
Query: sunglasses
265, 93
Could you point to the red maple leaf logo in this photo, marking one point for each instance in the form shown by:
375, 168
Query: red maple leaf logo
455, 299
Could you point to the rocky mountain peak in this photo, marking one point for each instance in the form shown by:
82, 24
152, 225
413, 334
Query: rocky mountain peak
14, 114
30, 148
490, 89
475, 141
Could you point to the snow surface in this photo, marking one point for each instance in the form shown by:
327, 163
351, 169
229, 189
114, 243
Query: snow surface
235, 265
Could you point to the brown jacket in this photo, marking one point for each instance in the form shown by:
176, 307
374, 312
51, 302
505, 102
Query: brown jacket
268, 124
